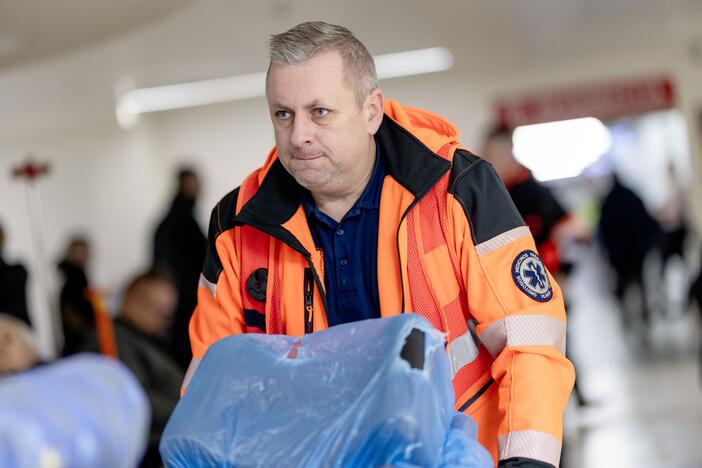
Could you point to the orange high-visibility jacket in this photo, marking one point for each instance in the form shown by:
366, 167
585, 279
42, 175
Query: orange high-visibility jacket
451, 247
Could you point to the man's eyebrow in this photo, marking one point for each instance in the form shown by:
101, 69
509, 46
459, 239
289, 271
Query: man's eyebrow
312, 104
279, 105
316, 103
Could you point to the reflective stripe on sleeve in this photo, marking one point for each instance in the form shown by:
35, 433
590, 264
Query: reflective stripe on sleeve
530, 444
501, 240
524, 330
205, 283
462, 351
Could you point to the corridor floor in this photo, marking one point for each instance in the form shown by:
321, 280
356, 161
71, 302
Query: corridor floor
643, 384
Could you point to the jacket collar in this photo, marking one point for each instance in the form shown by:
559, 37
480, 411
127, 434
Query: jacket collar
406, 159
409, 161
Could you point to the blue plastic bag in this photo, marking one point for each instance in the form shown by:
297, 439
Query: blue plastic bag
346, 396
80, 412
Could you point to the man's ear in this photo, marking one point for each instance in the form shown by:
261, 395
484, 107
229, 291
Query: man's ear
374, 108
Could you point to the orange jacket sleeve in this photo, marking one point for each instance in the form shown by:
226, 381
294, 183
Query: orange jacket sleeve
519, 311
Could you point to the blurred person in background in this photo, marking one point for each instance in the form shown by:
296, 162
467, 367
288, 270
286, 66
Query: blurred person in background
13, 287
365, 209
549, 223
627, 233
695, 298
140, 330
671, 217
77, 314
553, 228
18, 350
696, 290
179, 251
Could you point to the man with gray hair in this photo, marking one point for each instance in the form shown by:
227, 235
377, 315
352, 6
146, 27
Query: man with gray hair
368, 209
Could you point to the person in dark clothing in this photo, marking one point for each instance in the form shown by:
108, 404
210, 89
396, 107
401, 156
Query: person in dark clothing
627, 233
548, 221
77, 315
672, 219
13, 287
179, 251
671, 216
140, 334
694, 298
694, 294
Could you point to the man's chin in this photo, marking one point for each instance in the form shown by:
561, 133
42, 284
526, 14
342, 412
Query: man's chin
312, 181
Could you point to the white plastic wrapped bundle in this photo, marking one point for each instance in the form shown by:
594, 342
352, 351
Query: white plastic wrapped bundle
84, 411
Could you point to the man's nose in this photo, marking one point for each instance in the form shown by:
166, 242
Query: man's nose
302, 130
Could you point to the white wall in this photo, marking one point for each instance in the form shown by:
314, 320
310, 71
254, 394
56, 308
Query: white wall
113, 184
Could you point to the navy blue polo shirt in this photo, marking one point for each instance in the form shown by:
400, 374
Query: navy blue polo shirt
350, 250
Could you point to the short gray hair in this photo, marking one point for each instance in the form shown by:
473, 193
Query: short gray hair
306, 40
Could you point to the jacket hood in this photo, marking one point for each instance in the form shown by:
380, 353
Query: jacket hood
431, 129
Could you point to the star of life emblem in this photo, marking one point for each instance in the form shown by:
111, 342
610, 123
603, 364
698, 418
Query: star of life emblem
529, 274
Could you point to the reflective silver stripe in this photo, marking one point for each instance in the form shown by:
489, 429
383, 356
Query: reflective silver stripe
530, 444
524, 330
190, 372
204, 283
463, 350
501, 240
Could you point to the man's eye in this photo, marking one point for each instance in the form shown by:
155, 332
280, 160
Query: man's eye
282, 115
320, 112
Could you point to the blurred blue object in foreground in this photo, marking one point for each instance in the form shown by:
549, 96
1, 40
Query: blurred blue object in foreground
82, 411
370, 393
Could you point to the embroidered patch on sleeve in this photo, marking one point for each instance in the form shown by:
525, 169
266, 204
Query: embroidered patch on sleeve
529, 274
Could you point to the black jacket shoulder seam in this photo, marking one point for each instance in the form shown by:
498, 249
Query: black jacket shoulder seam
464, 172
468, 218
231, 198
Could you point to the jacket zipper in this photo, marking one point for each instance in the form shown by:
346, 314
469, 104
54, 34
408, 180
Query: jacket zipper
253, 221
399, 255
477, 395
309, 298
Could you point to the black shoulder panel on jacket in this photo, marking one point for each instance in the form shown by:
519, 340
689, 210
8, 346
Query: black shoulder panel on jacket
487, 205
221, 220
521, 462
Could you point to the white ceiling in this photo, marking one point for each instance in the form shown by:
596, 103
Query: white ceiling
31, 29
502, 44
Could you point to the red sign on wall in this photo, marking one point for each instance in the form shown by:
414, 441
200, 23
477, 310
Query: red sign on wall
604, 101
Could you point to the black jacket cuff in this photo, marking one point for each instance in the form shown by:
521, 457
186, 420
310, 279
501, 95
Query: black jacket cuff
521, 462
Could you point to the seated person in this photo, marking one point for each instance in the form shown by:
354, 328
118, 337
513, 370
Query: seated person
13, 287
144, 318
18, 350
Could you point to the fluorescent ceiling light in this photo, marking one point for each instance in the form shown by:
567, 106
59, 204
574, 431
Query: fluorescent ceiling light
234, 88
557, 150
413, 62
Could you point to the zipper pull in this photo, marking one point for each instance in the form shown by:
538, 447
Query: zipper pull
309, 297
